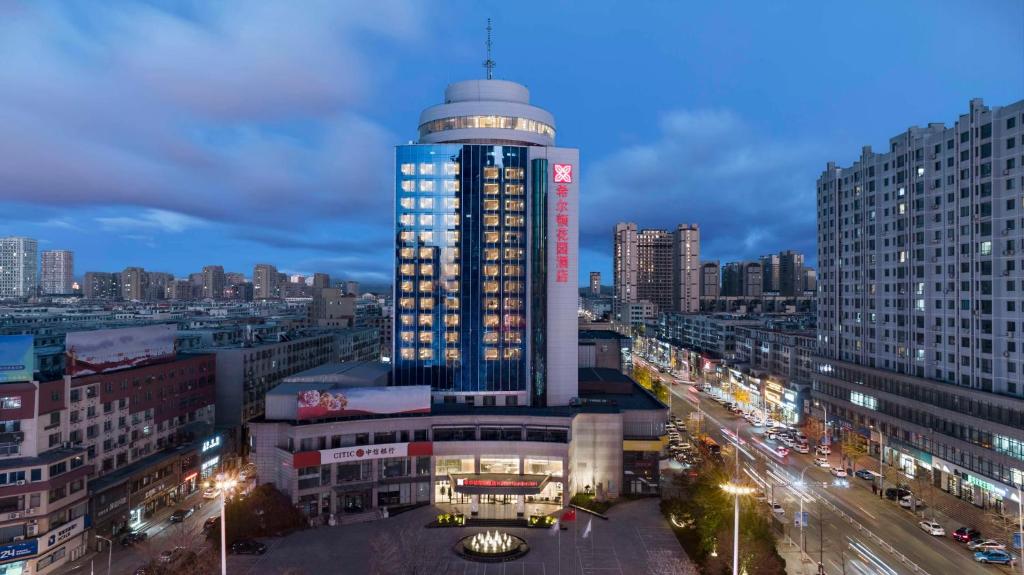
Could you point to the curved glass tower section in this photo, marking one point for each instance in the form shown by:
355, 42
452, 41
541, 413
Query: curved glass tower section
474, 314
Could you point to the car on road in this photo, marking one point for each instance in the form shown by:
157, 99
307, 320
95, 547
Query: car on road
822, 462
776, 508
838, 472
895, 493
932, 528
995, 556
909, 502
864, 474
133, 537
170, 555
211, 493
985, 545
823, 450
801, 448
966, 534
781, 451
248, 547
211, 523
180, 515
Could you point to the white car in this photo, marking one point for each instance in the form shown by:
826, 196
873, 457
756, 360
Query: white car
781, 451
822, 462
838, 472
801, 448
777, 509
908, 502
932, 528
985, 545
211, 493
824, 450
770, 422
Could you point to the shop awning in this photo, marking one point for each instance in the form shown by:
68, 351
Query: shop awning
497, 483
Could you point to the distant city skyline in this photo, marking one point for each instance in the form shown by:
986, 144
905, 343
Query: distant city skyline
164, 170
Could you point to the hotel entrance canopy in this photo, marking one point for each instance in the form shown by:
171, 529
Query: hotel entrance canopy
497, 483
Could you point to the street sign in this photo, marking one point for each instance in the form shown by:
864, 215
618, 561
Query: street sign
804, 516
1016, 540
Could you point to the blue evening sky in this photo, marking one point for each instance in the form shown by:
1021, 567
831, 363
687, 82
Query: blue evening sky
242, 132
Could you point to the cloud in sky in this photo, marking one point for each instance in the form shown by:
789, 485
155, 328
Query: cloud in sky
706, 166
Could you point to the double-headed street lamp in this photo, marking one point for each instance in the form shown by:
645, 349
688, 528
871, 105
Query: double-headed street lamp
110, 551
735, 489
224, 485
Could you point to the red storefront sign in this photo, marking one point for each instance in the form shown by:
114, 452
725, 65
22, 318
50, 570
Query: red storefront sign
562, 176
497, 483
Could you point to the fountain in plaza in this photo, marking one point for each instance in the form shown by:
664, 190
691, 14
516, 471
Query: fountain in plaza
491, 546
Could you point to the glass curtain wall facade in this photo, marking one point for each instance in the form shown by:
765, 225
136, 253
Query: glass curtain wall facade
461, 267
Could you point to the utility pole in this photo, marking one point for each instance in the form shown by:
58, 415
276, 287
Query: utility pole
821, 539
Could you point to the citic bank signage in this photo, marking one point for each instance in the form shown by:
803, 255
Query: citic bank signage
562, 176
496, 483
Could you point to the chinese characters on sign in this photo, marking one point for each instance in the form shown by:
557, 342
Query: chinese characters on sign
563, 176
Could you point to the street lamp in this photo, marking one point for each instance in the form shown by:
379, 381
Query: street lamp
110, 550
735, 489
224, 485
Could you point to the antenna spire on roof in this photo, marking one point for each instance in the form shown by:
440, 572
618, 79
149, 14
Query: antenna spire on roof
489, 63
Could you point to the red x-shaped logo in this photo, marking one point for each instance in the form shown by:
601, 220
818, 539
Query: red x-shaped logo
563, 173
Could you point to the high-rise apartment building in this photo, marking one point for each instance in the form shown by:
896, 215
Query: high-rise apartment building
486, 283
810, 279
742, 279
134, 284
686, 270
214, 281
321, 280
791, 273
625, 268
771, 273
667, 265
595, 283
103, 286
710, 279
156, 285
57, 272
265, 282
918, 306
19, 261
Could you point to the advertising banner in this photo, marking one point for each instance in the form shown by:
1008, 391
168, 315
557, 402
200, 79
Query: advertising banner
18, 550
17, 359
105, 350
336, 401
362, 453
62, 534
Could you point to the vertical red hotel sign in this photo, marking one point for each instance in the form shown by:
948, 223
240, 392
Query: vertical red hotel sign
562, 176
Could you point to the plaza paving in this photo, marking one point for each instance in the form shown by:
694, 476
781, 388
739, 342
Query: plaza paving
635, 540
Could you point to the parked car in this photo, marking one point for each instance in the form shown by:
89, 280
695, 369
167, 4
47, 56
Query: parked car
838, 472
895, 493
777, 509
801, 448
995, 556
985, 545
211, 523
865, 474
909, 502
133, 537
180, 515
248, 547
824, 450
169, 555
932, 528
966, 534
822, 462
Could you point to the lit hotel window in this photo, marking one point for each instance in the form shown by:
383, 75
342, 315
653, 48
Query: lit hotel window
513, 270
451, 302
491, 221
452, 355
451, 169
426, 253
451, 269
407, 286
427, 286
452, 337
408, 353
451, 220
426, 337
513, 189
407, 269
407, 236
426, 219
451, 321
490, 321
490, 287
426, 237
491, 304
514, 205
426, 321
491, 189
408, 169
426, 203
452, 238
426, 185
407, 337
513, 253
407, 219
490, 270
513, 337
407, 320
427, 303
426, 169
513, 287
514, 221
490, 354
491, 254
491, 237
513, 173
512, 353
407, 203
407, 302
513, 303
490, 172
491, 205
407, 252
408, 185
512, 237
491, 337
452, 286
426, 269
512, 320
451, 203
451, 186
426, 353
451, 254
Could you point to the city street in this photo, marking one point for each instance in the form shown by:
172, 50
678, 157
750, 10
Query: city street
161, 535
858, 543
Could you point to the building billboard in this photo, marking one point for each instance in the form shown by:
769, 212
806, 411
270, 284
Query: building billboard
104, 350
337, 401
17, 358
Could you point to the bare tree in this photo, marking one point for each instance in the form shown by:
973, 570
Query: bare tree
665, 562
407, 552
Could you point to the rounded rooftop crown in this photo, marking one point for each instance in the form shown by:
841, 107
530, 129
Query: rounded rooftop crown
487, 111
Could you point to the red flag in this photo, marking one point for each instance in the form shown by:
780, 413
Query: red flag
569, 515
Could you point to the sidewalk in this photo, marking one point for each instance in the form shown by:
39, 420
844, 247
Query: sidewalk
797, 562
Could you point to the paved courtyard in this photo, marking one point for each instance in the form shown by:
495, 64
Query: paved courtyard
635, 540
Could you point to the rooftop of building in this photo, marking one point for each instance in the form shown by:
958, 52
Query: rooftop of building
600, 334
108, 480
44, 458
350, 373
